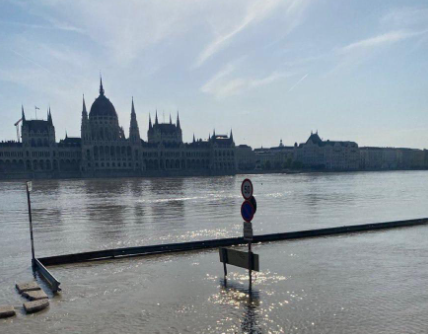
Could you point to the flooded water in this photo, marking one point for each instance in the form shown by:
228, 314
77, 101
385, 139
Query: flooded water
361, 283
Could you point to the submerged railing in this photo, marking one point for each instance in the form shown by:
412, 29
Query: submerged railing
41, 263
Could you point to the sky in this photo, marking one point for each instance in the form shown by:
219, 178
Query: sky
268, 69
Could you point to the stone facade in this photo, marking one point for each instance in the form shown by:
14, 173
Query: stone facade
390, 158
329, 155
245, 158
103, 150
275, 158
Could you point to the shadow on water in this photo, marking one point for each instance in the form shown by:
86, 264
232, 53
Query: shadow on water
248, 299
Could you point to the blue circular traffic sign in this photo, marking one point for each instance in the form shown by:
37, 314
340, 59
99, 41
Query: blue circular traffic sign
247, 211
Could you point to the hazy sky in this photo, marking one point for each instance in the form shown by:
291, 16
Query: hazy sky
269, 69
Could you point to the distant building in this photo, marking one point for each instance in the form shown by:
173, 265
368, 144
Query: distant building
165, 133
245, 158
378, 158
409, 158
103, 150
426, 159
275, 158
390, 158
328, 155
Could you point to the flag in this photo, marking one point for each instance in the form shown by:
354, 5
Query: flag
36, 108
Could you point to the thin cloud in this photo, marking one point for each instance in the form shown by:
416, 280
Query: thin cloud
406, 17
388, 38
267, 80
298, 83
222, 85
257, 12
31, 61
62, 26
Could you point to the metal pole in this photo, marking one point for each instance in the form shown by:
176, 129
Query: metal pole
250, 260
224, 254
31, 224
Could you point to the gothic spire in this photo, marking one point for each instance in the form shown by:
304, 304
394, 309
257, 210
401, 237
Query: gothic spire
150, 121
156, 119
214, 134
101, 86
132, 108
193, 137
23, 113
178, 120
134, 132
84, 126
84, 111
231, 134
49, 115
170, 119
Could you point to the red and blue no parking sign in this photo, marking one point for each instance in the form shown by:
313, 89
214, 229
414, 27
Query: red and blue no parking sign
247, 211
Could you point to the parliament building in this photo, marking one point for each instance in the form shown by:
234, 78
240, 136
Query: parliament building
104, 151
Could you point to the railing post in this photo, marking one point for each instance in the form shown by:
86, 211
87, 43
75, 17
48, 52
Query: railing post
29, 187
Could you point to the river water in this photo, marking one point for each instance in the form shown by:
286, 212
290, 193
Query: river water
360, 283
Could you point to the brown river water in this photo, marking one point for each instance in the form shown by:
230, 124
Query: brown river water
371, 282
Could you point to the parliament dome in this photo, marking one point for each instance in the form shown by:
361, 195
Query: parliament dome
102, 105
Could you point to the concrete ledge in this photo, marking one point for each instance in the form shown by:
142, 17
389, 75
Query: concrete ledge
35, 295
36, 306
7, 312
28, 286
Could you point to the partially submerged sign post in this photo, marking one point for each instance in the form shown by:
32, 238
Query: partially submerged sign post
237, 258
29, 186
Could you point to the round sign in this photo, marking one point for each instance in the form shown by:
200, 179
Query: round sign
247, 189
253, 203
247, 211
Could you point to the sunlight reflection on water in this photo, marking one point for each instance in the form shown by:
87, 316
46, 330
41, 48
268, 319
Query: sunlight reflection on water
328, 285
